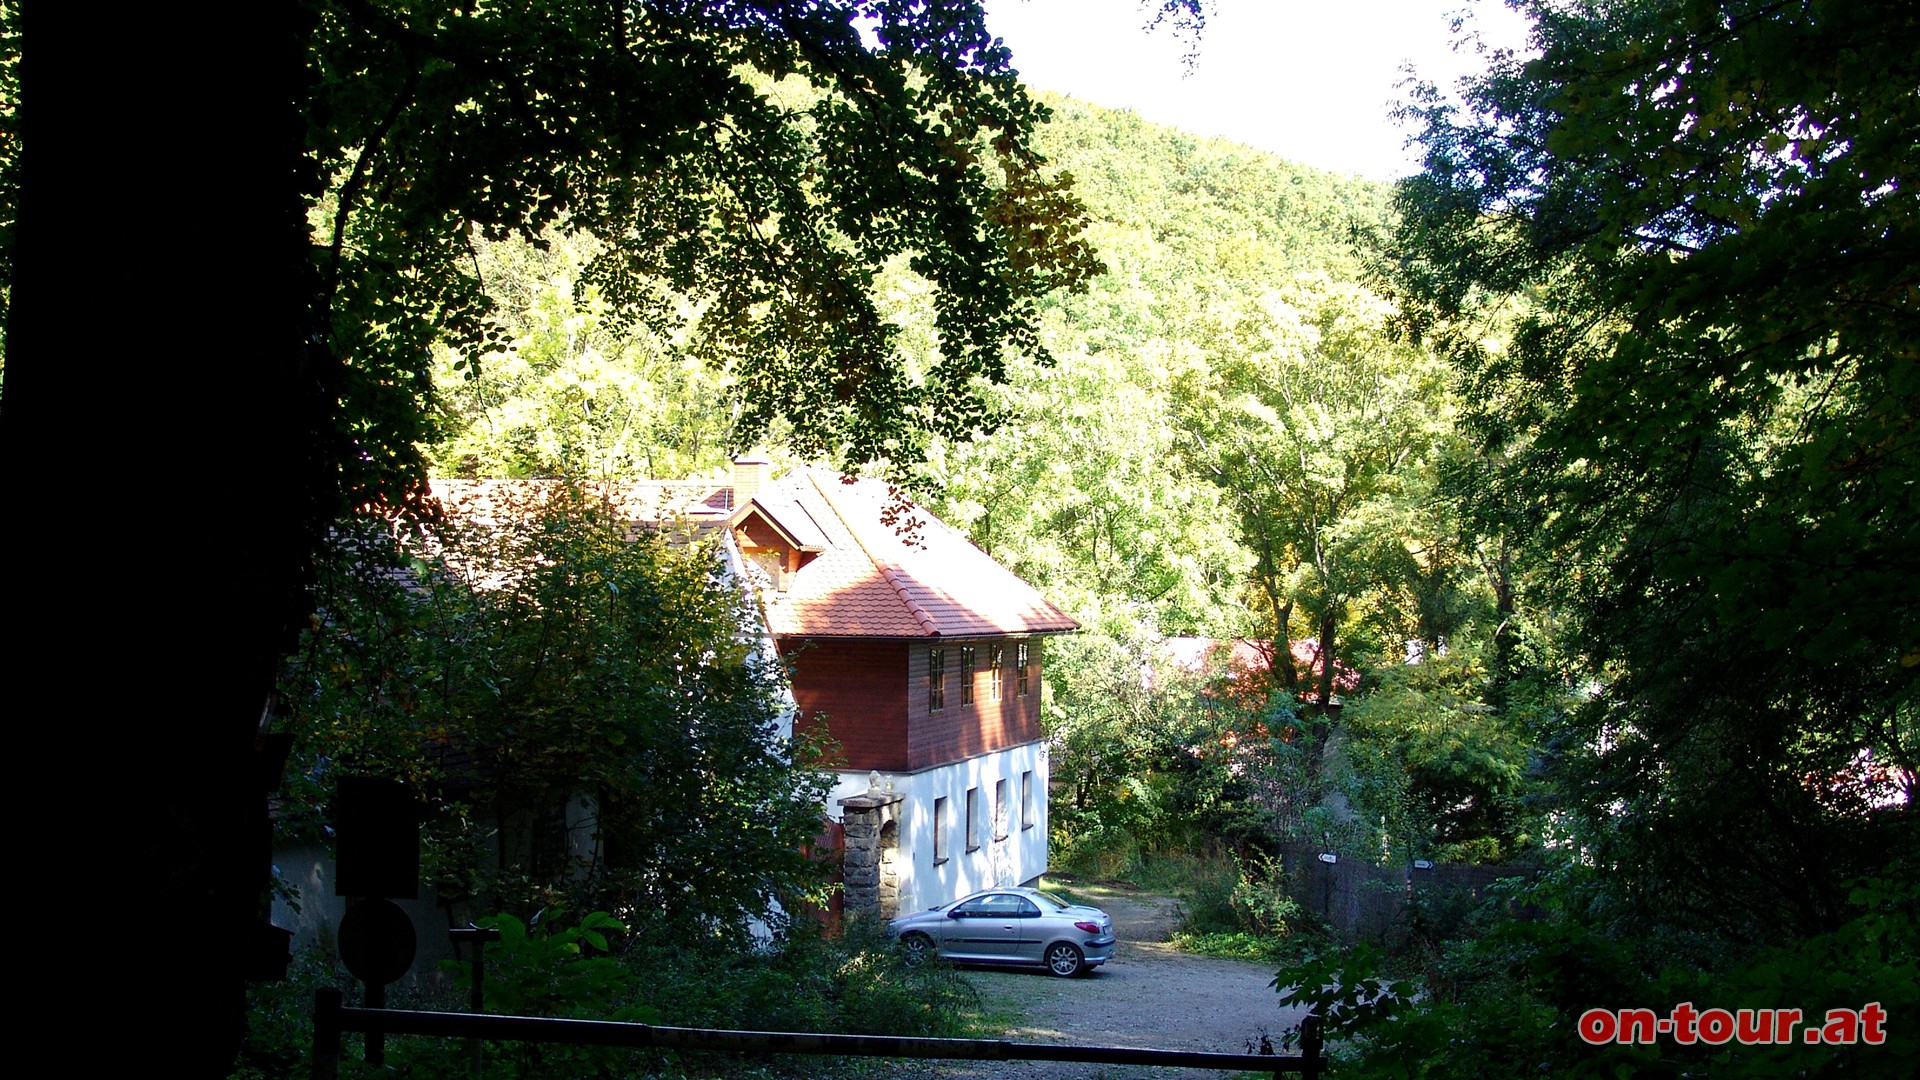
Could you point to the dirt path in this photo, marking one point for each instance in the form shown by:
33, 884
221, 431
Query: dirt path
1150, 995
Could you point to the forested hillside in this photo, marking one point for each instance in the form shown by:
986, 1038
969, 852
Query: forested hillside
1566, 491
1227, 438
1575, 472
1093, 483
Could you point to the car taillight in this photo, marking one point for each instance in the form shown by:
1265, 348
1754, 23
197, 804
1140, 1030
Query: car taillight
1091, 928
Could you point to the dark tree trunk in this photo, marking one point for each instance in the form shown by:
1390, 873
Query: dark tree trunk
1328, 623
1287, 675
1499, 568
155, 428
1283, 647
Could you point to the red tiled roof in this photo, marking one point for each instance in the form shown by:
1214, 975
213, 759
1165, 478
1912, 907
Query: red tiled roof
702, 504
888, 568
1195, 653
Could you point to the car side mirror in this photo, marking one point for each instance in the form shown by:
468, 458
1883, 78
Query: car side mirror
956, 914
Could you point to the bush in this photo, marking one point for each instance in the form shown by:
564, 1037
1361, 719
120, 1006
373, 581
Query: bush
1260, 898
857, 984
1234, 906
1239, 945
1506, 1004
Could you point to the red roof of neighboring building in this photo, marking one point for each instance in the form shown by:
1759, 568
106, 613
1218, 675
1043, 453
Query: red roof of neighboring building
888, 568
879, 565
701, 503
1195, 653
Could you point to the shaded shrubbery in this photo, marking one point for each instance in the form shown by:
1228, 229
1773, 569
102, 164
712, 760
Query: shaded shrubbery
585, 969
1505, 1000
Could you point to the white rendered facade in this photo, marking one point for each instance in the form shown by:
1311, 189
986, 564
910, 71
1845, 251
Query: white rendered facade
1005, 844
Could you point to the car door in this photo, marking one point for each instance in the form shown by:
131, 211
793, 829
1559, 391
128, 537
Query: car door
983, 928
1033, 934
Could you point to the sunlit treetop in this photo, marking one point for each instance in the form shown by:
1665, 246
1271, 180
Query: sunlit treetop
749, 166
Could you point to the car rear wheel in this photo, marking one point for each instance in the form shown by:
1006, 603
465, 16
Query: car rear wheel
918, 949
1064, 959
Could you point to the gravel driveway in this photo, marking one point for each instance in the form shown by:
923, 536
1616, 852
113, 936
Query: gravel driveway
1149, 995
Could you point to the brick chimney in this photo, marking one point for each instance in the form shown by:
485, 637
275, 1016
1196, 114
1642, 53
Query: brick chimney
750, 473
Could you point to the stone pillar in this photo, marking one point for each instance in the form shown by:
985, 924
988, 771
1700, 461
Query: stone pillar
867, 840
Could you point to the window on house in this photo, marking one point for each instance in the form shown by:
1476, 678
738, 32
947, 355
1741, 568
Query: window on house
1020, 660
1000, 809
936, 680
997, 661
1026, 799
966, 675
940, 830
973, 819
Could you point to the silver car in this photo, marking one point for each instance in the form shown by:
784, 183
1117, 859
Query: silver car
1010, 926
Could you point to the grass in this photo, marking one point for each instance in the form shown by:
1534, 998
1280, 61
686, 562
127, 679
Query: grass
1241, 945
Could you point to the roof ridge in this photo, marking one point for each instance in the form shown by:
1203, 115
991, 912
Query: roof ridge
887, 570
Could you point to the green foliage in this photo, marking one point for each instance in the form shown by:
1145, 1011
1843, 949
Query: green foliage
1506, 1003
1672, 257
541, 970
544, 970
1231, 905
582, 712
860, 984
748, 168
1082, 490
575, 393
1147, 757
1075, 493
1346, 989
591, 969
1235, 906
1323, 434
1261, 900
1237, 945
1454, 779
279, 1036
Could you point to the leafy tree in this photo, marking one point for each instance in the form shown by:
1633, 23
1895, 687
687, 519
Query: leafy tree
583, 713
1092, 486
1452, 778
574, 394
1508, 1002
1314, 423
1149, 756
758, 161
1078, 493
1705, 217
1083, 489
320, 168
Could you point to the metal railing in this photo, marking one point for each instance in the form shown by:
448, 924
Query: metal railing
331, 1020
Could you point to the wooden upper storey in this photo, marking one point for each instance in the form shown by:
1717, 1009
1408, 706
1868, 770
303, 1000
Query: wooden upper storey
881, 702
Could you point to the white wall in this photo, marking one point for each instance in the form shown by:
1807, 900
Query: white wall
735, 573
1017, 859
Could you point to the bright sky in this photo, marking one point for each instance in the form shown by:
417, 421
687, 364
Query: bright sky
1311, 80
